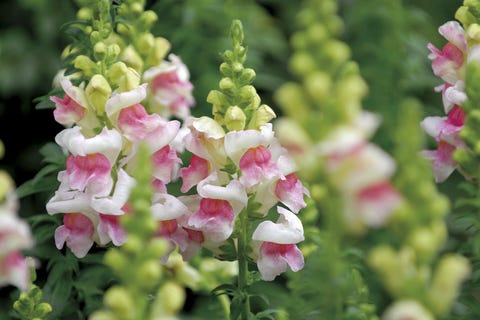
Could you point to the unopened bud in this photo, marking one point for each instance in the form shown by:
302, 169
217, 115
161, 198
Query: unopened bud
145, 43
85, 64
84, 13
149, 273
235, 119
450, 273
226, 84
131, 57
160, 49
98, 91
261, 116
302, 63
171, 296
43, 309
148, 18
318, 86
119, 300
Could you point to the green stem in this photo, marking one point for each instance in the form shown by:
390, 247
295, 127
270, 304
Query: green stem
243, 265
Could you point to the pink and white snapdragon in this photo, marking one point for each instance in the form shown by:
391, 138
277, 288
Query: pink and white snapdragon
449, 64
15, 236
170, 89
361, 172
229, 168
95, 186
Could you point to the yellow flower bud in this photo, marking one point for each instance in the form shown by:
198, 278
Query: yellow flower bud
473, 31
249, 93
318, 86
116, 260
158, 247
158, 52
261, 116
451, 271
302, 63
226, 84
337, 51
131, 57
291, 97
102, 315
85, 64
129, 81
148, 18
98, 91
317, 33
169, 301
145, 43
118, 299
84, 13
44, 308
116, 71
100, 49
149, 273
123, 29
136, 7
235, 119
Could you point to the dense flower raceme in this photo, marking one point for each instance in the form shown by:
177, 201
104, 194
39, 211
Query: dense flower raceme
94, 189
263, 171
14, 236
449, 64
95, 186
359, 170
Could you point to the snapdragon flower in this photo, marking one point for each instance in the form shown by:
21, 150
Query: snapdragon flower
449, 64
15, 236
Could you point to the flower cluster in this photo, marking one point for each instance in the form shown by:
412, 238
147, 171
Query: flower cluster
361, 172
240, 172
107, 117
15, 236
449, 64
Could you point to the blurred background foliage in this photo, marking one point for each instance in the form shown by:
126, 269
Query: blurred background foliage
388, 40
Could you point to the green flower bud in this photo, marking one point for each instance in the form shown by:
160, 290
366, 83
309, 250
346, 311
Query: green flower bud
157, 247
100, 50
449, 274
129, 81
235, 119
464, 15
102, 315
291, 97
136, 7
145, 42
302, 63
43, 309
337, 51
123, 29
98, 91
317, 33
424, 243
226, 69
85, 64
84, 13
226, 84
116, 260
118, 299
116, 72
133, 244
261, 116
147, 19
131, 57
318, 86
95, 37
248, 94
2, 149
473, 31
237, 67
160, 49
299, 40
170, 299
149, 273
247, 76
